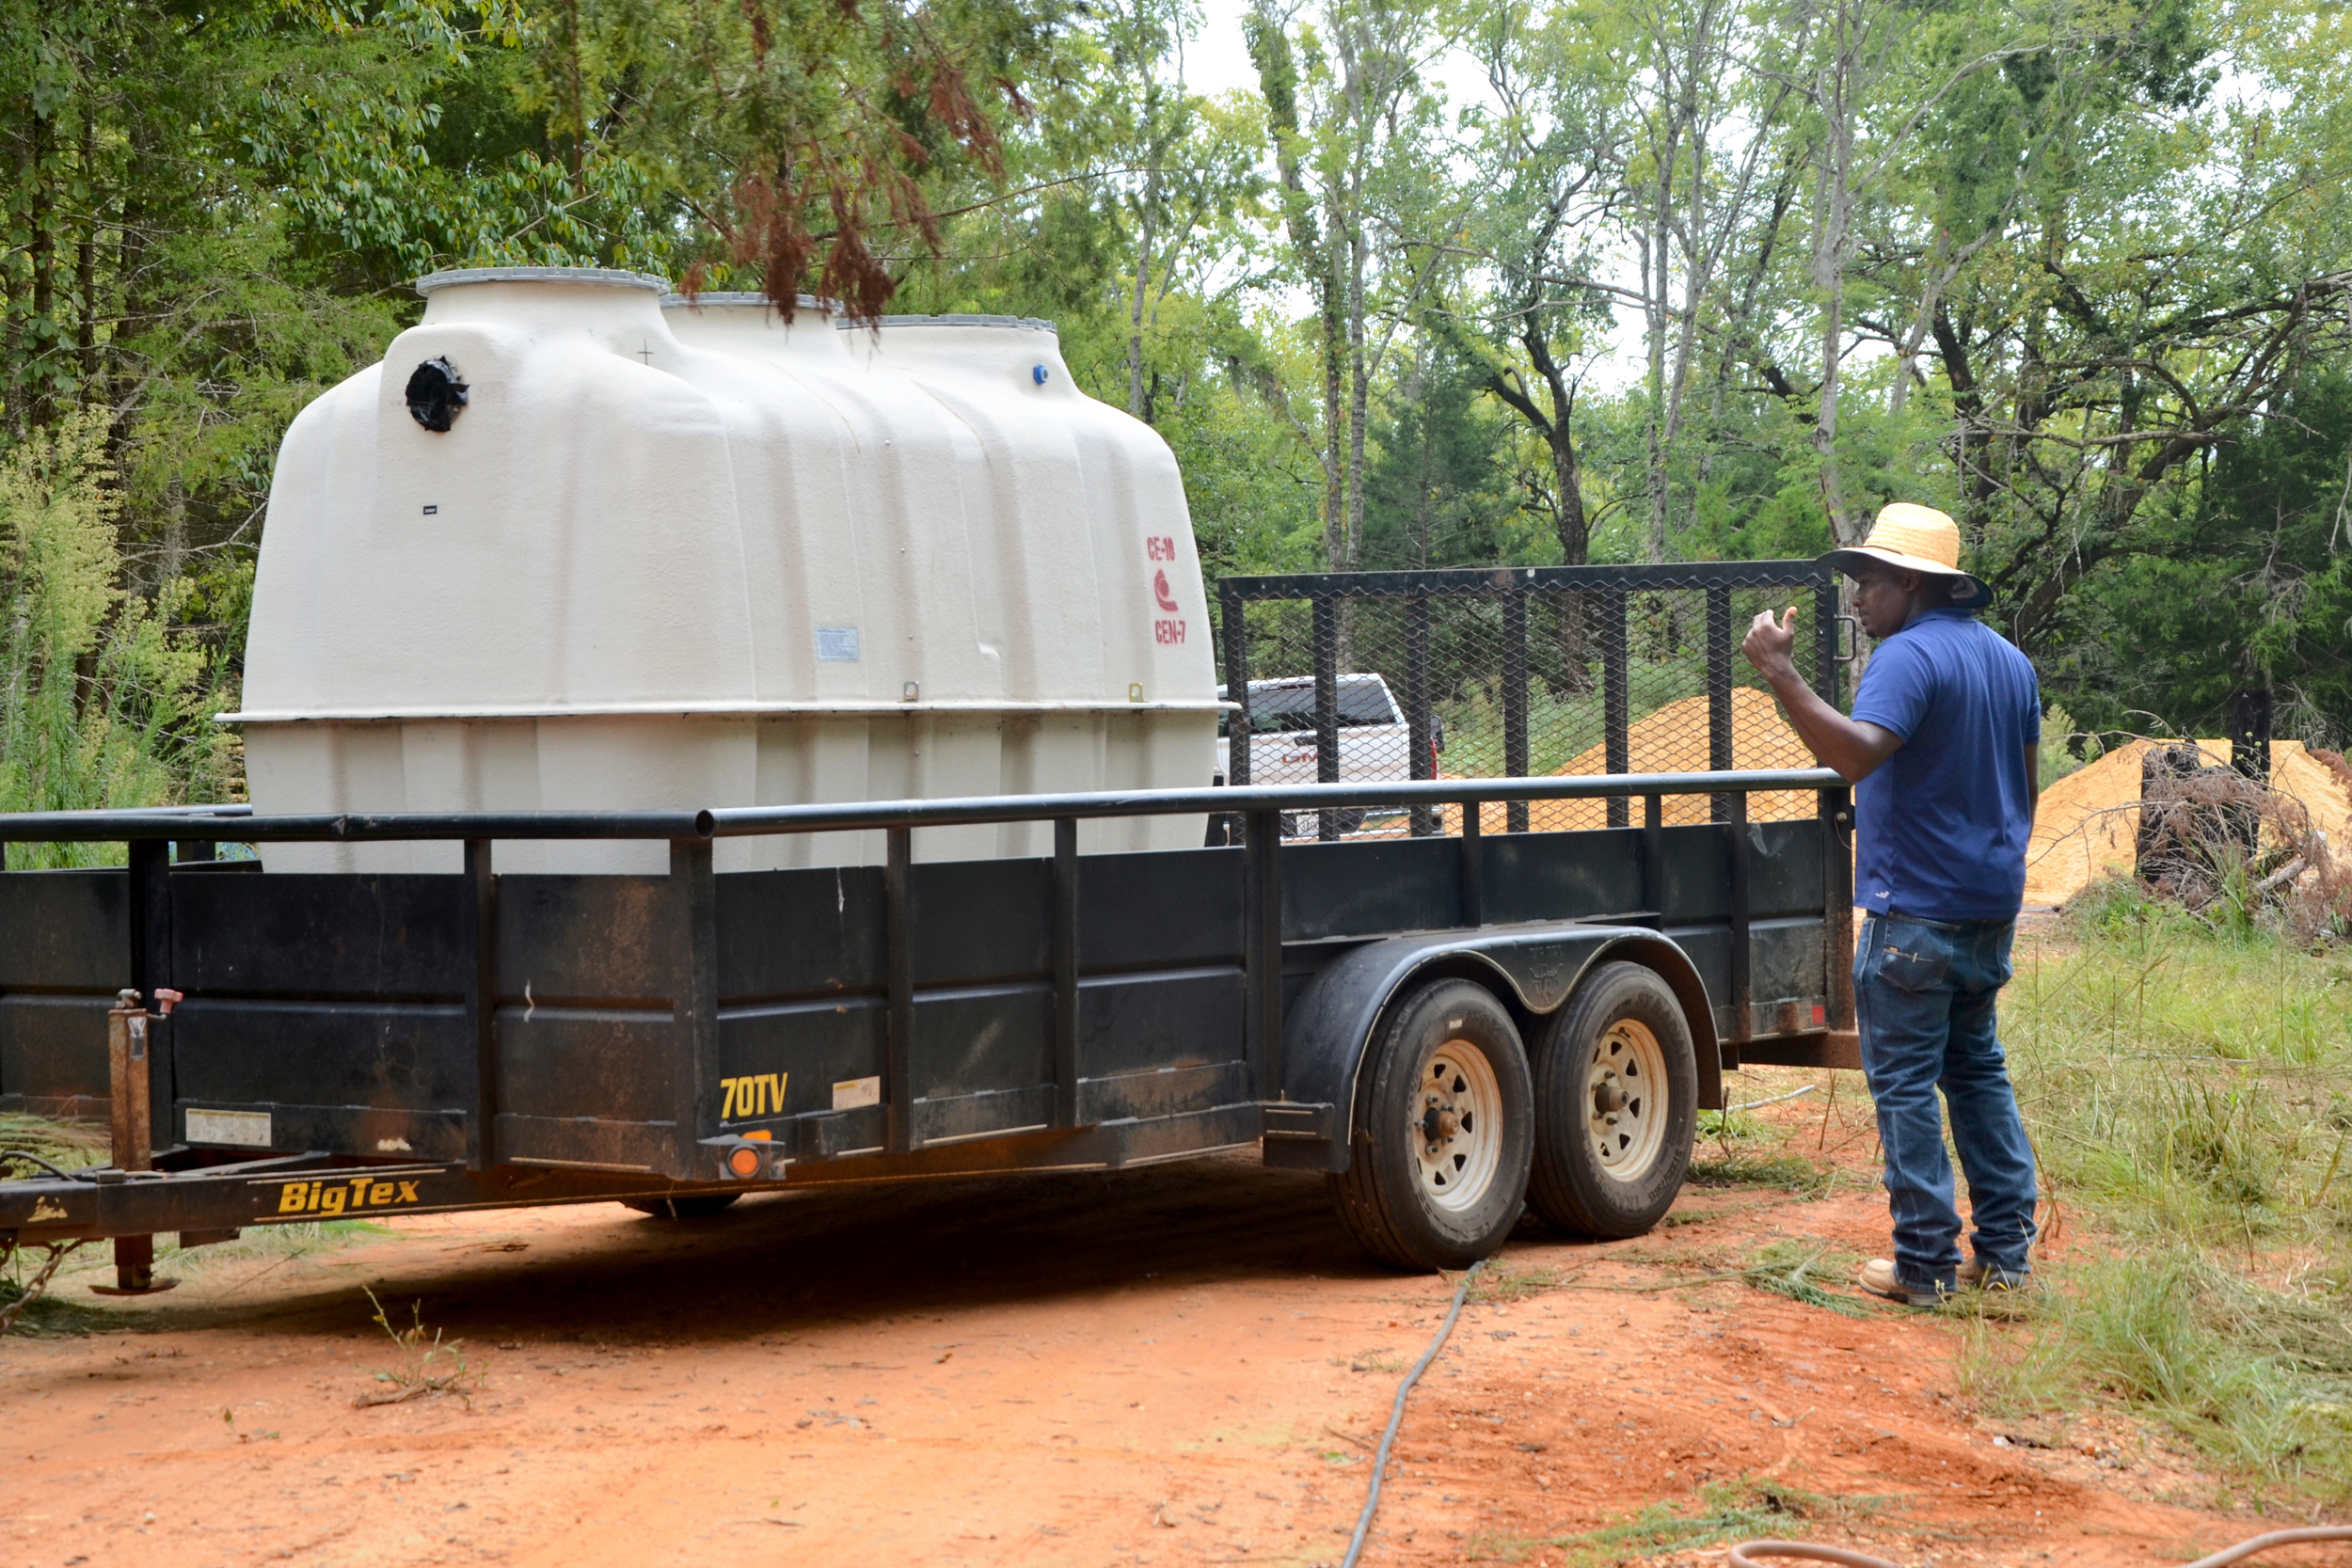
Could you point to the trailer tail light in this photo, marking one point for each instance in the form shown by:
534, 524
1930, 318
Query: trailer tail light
744, 1161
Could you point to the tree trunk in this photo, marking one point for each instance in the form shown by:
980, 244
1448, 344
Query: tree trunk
1278, 82
85, 269
1569, 517
1358, 397
43, 247
1134, 319
1331, 318
1829, 264
173, 558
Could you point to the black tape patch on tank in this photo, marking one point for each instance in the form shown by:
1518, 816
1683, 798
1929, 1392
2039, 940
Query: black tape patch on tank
434, 395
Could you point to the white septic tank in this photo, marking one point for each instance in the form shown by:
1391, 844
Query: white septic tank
674, 554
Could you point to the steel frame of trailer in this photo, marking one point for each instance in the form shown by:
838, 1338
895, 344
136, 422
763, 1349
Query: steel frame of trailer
1081, 1024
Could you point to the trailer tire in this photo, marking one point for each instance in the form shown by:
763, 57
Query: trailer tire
694, 1206
1437, 1175
1617, 1098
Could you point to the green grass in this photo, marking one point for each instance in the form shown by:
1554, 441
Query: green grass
1500, 1282
1798, 1270
1788, 1172
62, 1309
52, 1315
1727, 1511
2190, 1092
67, 1145
1729, 1155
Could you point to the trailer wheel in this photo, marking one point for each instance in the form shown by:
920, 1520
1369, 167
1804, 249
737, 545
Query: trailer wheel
1439, 1172
1617, 1095
694, 1206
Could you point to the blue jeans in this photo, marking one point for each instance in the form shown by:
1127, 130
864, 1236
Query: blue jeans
1924, 992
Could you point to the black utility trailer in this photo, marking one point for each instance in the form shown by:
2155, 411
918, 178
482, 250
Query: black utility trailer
1443, 1023
1448, 1019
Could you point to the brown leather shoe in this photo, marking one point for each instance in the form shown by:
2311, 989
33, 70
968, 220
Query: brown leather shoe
1878, 1278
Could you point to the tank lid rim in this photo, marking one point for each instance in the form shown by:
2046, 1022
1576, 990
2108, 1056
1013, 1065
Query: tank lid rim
711, 297
723, 707
1030, 324
609, 278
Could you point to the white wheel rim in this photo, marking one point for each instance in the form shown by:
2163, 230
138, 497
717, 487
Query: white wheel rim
1456, 1126
1625, 1099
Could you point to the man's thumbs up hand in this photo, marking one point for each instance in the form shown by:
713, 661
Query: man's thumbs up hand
1771, 641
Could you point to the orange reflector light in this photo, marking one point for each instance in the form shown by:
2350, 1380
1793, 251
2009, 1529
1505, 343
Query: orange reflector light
763, 1135
744, 1162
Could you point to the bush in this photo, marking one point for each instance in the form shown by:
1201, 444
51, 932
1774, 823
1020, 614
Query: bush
103, 703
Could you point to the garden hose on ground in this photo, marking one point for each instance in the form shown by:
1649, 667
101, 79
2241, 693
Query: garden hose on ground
1397, 1417
1748, 1554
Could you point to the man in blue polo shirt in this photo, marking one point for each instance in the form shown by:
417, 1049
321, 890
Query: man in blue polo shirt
1944, 750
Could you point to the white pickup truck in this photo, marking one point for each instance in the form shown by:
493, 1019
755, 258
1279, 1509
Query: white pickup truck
1374, 741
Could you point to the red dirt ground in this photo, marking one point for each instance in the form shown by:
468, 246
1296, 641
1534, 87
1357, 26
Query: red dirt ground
1174, 1366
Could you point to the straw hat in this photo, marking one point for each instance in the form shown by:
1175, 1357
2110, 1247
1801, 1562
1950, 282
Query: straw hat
1914, 539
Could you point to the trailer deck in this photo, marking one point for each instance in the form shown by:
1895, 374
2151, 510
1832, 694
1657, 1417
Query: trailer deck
304, 1045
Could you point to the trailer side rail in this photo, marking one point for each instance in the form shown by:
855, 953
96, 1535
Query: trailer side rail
199, 1200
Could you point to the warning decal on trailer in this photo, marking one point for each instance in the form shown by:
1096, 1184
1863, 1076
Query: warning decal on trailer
244, 1129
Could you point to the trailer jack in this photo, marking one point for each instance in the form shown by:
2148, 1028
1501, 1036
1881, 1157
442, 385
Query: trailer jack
128, 1078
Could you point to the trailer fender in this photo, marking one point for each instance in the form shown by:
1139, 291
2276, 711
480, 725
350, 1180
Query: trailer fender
1331, 1025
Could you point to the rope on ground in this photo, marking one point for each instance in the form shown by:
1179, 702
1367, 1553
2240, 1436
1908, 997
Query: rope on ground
1748, 1553
1396, 1419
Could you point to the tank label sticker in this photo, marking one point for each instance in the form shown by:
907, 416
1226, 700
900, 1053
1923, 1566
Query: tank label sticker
855, 1092
345, 1196
836, 644
245, 1128
1167, 630
761, 1094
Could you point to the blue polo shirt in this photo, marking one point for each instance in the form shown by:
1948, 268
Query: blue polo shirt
1940, 826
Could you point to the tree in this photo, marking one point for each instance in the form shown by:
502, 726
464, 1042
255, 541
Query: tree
2244, 582
1439, 491
1547, 153
1362, 206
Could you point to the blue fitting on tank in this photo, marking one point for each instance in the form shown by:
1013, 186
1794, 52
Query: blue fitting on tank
1037, 374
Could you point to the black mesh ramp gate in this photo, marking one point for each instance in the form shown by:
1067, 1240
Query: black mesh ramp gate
1515, 673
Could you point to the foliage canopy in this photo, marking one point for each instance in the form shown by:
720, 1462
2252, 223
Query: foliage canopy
1431, 281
